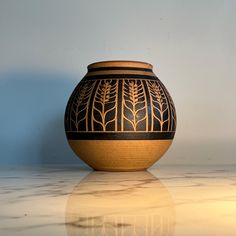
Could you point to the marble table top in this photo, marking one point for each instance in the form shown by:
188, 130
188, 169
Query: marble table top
166, 200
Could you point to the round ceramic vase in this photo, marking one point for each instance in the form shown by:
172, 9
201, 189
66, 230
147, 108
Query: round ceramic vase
120, 117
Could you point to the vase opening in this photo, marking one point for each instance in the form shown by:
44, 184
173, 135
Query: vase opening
120, 64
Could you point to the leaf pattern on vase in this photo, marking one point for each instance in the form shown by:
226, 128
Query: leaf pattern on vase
105, 105
120, 105
159, 106
134, 104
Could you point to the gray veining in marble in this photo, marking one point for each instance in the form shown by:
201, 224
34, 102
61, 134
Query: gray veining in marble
169, 200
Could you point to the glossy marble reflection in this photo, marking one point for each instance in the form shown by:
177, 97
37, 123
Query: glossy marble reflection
165, 201
120, 204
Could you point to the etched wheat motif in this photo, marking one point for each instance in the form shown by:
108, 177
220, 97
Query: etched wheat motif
134, 104
104, 105
173, 122
79, 106
159, 105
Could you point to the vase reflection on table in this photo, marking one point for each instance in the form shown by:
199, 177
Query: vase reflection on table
120, 204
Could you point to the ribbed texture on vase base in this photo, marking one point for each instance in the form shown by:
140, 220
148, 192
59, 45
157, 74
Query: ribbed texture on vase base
120, 155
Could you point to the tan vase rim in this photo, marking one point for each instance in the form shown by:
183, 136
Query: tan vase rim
120, 63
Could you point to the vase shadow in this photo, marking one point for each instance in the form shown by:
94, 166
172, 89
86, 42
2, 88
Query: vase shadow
32, 117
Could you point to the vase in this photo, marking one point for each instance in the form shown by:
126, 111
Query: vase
120, 117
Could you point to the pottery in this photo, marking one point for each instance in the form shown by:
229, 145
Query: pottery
120, 117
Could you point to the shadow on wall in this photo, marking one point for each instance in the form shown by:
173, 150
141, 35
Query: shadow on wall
32, 115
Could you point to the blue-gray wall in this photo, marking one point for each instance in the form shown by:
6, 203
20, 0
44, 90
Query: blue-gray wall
45, 46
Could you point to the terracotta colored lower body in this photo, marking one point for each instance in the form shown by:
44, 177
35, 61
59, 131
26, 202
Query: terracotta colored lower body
120, 155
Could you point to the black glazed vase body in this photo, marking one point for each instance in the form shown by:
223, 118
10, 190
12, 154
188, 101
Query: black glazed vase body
120, 117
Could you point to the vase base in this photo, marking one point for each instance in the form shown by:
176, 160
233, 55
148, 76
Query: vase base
120, 155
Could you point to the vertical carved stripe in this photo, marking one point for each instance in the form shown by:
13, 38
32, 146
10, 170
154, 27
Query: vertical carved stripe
174, 118
149, 106
119, 105
87, 106
122, 106
145, 104
168, 104
90, 108
116, 105
92, 117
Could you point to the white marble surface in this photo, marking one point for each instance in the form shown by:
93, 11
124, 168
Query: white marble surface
167, 200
